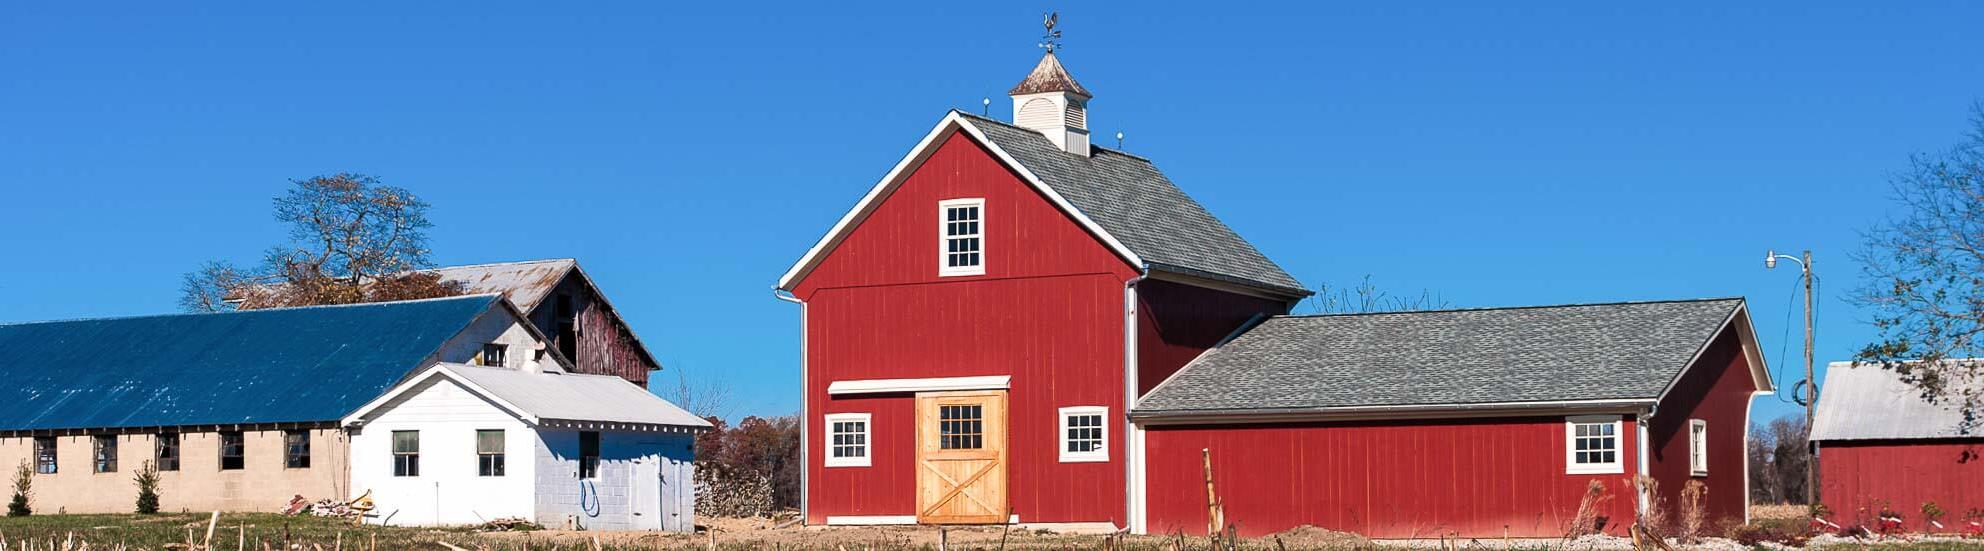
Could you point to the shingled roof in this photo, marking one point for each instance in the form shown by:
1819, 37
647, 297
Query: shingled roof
283, 365
1135, 203
1621, 351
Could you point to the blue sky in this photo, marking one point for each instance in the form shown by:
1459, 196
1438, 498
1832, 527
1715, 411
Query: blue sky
1497, 155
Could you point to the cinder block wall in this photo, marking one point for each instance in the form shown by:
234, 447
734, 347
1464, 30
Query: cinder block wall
263, 484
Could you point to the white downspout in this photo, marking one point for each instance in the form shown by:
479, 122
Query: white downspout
1133, 436
1640, 439
805, 468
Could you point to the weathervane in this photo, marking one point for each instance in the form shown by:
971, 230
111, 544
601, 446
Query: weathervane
1051, 40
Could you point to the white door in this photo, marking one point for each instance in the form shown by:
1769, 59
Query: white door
642, 492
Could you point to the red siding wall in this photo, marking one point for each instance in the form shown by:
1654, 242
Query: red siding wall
1387, 479
1718, 389
1048, 312
1858, 478
1177, 322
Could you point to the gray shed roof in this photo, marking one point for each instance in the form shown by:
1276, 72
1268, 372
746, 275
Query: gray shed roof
1620, 351
1870, 403
1135, 203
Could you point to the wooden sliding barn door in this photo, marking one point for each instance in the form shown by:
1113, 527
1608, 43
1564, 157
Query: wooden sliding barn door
961, 457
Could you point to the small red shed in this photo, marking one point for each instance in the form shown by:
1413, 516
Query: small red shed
1479, 422
1015, 325
1882, 445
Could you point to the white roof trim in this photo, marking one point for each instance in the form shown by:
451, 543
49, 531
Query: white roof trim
915, 158
930, 384
432, 371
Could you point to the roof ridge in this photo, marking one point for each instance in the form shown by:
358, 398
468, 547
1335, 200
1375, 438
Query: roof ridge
1502, 308
574, 262
252, 311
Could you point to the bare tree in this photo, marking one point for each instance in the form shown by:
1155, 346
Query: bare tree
703, 396
351, 240
1778, 455
1925, 275
1367, 298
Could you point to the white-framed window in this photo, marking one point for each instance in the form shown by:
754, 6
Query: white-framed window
1698, 447
848, 440
1084, 434
961, 237
1592, 445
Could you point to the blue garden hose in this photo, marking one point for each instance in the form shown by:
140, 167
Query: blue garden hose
586, 489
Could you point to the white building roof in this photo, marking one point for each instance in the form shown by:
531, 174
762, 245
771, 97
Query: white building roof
555, 399
1870, 403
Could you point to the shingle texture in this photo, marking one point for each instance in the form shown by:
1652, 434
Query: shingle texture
261, 366
1131, 200
1551, 353
1870, 403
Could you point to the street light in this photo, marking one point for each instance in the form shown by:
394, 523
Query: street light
1811, 385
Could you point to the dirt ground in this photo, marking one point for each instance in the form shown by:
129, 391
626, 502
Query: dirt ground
733, 533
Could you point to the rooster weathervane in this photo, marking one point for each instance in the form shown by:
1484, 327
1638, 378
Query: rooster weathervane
1051, 40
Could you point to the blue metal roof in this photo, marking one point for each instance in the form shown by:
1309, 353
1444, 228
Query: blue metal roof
263, 366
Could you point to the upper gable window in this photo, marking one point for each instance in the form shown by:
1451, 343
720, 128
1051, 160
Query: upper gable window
961, 237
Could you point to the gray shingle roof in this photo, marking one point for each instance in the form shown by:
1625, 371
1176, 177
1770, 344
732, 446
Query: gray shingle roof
1141, 208
1870, 403
1619, 351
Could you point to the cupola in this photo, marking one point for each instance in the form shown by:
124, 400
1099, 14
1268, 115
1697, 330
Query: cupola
1050, 102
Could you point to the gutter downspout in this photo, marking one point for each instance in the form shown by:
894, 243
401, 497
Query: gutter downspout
805, 468
1133, 441
1640, 438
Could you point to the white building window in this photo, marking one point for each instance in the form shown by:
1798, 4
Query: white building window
1698, 447
1591, 445
1084, 434
961, 237
848, 441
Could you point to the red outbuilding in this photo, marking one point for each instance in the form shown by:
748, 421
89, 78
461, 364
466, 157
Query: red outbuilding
1017, 326
1884, 447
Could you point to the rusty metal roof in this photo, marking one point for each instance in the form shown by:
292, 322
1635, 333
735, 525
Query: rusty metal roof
280, 365
1049, 76
525, 283
1870, 403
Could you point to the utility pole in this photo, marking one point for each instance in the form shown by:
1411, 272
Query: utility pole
1811, 382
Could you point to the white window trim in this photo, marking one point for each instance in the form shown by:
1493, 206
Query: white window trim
944, 268
1101, 454
867, 443
1698, 447
1571, 465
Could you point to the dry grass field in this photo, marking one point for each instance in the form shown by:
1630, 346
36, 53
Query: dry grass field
269, 532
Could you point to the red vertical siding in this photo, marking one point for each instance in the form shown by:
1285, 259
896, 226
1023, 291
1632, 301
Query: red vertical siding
1048, 312
1386, 479
1177, 322
1717, 389
1858, 478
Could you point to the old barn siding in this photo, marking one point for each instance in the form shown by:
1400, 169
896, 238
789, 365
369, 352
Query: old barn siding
603, 346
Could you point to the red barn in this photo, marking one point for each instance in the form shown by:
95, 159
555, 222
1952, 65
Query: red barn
1015, 325
1883, 446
